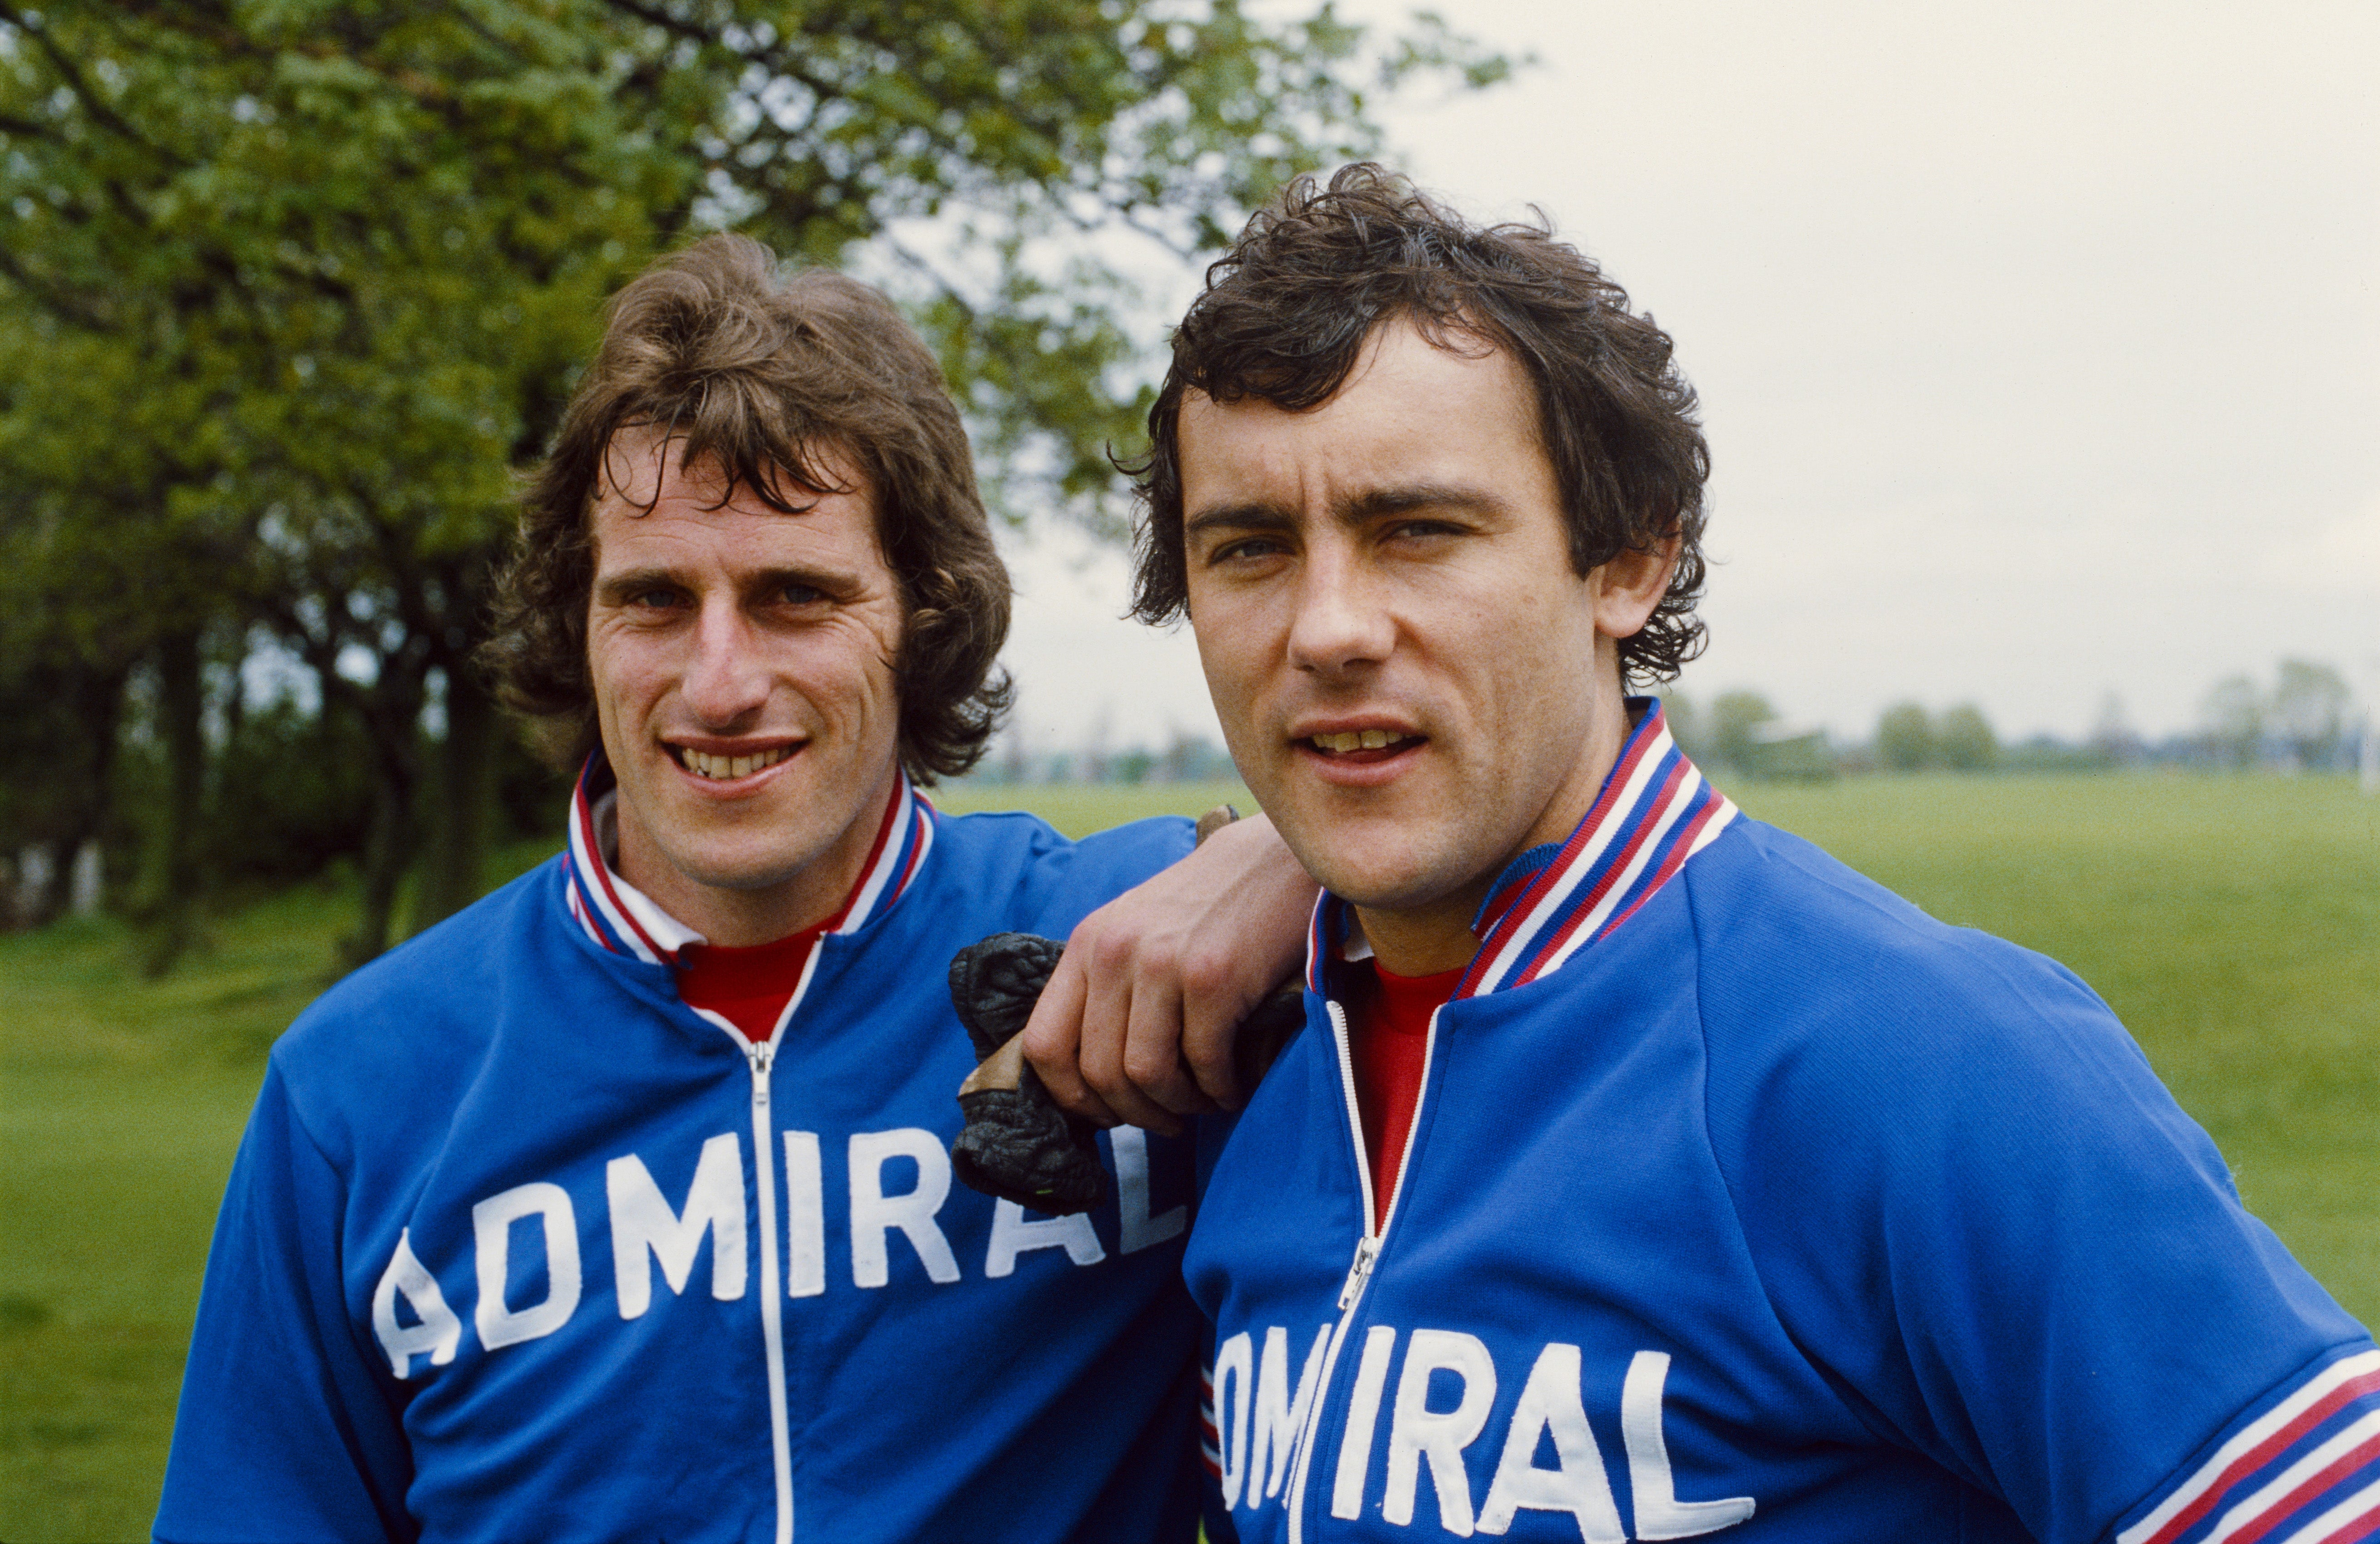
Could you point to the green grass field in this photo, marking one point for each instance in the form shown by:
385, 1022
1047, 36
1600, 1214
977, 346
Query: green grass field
2234, 923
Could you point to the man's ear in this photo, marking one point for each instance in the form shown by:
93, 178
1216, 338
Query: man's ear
1628, 586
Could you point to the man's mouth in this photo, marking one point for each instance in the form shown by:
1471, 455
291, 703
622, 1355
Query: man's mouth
726, 769
1352, 742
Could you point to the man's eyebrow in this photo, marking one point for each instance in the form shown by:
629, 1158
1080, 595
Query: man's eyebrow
833, 580
1370, 504
1405, 499
1249, 516
630, 581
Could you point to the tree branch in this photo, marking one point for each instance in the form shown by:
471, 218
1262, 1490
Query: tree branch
69, 72
57, 302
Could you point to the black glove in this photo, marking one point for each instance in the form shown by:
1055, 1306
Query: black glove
1019, 1144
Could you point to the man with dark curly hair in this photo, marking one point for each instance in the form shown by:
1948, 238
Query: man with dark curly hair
1641, 1172
620, 1205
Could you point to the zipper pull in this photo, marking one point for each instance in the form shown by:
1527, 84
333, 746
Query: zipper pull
1367, 1251
762, 1054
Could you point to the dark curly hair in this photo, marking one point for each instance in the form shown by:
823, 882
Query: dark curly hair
762, 371
1287, 311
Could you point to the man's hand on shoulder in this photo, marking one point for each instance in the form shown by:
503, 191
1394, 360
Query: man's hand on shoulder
1135, 1025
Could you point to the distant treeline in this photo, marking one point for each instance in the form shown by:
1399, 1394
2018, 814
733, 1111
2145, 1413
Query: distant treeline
2304, 722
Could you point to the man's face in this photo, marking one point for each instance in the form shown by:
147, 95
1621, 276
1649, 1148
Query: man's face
743, 669
1411, 675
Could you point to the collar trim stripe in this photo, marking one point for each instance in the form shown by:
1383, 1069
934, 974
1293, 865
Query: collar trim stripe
578, 911
1506, 932
1594, 903
922, 826
1691, 813
1696, 831
593, 892
901, 841
1655, 812
606, 912
1321, 942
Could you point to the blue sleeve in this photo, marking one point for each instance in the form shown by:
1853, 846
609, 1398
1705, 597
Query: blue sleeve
283, 1432
1993, 1231
1097, 868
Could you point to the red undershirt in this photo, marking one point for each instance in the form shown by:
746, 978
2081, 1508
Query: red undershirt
1387, 1030
749, 987
1388, 1037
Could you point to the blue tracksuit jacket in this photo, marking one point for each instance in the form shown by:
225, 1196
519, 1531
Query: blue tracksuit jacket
1744, 1198
518, 1246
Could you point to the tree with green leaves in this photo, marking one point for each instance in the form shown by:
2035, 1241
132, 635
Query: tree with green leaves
105, 566
358, 250
1966, 740
2310, 708
1905, 738
1735, 721
2234, 711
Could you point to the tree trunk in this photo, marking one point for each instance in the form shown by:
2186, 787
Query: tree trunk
388, 843
466, 798
391, 710
46, 902
172, 883
95, 698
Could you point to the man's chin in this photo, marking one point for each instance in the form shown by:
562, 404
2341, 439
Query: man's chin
733, 859
1378, 881
747, 876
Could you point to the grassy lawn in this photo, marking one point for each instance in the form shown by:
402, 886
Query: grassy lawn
2234, 924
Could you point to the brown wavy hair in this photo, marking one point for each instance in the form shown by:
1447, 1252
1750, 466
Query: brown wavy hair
762, 371
1286, 313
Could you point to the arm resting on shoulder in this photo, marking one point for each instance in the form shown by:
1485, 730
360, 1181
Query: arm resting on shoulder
1135, 1024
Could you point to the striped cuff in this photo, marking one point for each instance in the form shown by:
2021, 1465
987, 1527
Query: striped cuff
2304, 1471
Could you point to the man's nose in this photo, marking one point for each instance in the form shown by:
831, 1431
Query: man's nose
727, 680
1343, 618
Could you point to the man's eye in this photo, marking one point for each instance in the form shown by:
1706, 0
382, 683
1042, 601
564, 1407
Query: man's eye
654, 600
801, 594
1246, 548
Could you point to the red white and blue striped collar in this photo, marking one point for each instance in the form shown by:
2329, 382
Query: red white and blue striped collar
624, 920
1654, 812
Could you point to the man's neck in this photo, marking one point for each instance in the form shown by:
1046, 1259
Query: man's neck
1422, 940
1435, 935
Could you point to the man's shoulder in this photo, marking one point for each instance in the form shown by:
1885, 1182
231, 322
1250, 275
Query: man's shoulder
1830, 1006
1777, 918
1015, 861
434, 1001
1816, 987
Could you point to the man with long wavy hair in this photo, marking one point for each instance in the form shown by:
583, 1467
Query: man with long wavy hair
620, 1204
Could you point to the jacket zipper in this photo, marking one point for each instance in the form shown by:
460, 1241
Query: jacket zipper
762, 1055
1367, 1247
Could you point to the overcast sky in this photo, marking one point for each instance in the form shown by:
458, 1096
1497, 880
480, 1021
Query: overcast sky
2039, 345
